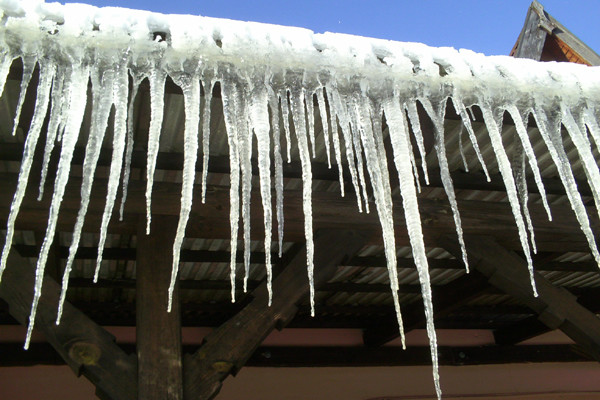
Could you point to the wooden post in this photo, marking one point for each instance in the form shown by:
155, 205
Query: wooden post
158, 332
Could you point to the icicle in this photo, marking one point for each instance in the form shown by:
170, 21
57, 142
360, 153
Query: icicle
399, 136
522, 191
310, 113
47, 72
460, 107
576, 132
5, 63
411, 107
274, 106
324, 123
336, 147
157, 79
76, 89
550, 131
359, 160
283, 96
58, 101
259, 118
208, 88
245, 148
437, 117
102, 81
119, 92
524, 136
509, 183
230, 106
28, 66
137, 80
340, 111
190, 86
461, 147
298, 117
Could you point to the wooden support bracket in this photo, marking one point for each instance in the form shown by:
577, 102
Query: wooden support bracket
86, 347
228, 347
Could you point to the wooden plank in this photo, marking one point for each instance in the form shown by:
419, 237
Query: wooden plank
86, 347
158, 332
556, 308
341, 356
446, 299
532, 38
329, 211
227, 348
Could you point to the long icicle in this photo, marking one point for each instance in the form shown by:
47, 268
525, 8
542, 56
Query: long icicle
278, 161
190, 86
47, 72
206, 111
101, 104
394, 115
77, 89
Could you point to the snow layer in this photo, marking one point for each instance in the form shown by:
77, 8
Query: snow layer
272, 74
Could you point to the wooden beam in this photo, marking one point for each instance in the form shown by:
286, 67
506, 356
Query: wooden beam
556, 307
532, 38
228, 347
340, 356
446, 299
158, 332
330, 211
85, 346
257, 257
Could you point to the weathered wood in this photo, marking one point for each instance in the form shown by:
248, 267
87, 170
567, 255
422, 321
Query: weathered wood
340, 356
532, 38
158, 332
329, 211
446, 299
228, 347
556, 307
86, 347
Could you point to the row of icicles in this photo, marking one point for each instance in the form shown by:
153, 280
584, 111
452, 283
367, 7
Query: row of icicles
254, 108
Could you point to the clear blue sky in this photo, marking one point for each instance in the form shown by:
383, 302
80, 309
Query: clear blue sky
487, 26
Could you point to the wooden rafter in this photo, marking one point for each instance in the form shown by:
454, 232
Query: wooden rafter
86, 347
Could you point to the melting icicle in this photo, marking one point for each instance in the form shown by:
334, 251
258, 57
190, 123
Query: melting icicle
47, 72
28, 66
411, 107
340, 111
190, 86
336, 148
137, 79
274, 106
437, 117
310, 113
102, 81
157, 93
359, 159
522, 191
56, 121
119, 92
525, 143
324, 123
460, 107
399, 136
230, 105
461, 147
76, 90
509, 184
259, 118
208, 88
298, 117
286, 123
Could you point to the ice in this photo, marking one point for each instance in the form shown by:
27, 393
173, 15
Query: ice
190, 85
269, 79
76, 89
47, 72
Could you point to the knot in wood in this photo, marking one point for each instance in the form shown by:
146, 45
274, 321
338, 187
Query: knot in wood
85, 353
